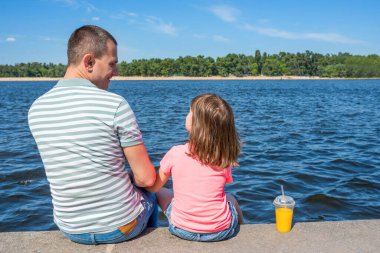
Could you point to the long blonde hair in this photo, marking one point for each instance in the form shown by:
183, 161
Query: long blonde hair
213, 138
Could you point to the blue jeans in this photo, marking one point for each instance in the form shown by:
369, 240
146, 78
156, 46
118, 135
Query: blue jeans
147, 218
206, 237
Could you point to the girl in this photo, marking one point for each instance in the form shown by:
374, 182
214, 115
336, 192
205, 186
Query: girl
200, 210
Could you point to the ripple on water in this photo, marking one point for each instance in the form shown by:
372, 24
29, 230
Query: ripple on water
325, 201
9, 154
358, 190
319, 139
22, 175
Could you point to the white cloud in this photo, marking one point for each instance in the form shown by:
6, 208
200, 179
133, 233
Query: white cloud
225, 12
71, 3
327, 37
160, 26
10, 39
332, 37
89, 7
124, 15
146, 22
132, 14
199, 36
47, 39
216, 37
220, 38
95, 18
76, 4
272, 32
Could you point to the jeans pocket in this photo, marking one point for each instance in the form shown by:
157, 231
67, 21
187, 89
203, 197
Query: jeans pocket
127, 228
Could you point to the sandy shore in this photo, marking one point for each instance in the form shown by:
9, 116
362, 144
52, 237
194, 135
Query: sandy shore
214, 78
141, 78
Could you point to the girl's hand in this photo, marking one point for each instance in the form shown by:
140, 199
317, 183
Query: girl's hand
161, 179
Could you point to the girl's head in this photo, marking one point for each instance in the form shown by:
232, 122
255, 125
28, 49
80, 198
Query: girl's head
212, 135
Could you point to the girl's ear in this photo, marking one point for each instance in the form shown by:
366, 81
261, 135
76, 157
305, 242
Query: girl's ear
189, 121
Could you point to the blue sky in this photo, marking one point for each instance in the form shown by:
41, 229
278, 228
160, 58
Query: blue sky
38, 30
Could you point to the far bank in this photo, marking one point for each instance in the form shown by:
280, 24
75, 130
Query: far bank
168, 78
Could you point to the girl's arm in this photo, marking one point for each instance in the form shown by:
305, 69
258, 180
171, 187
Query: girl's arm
161, 180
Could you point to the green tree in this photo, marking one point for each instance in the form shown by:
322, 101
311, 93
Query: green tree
283, 63
273, 67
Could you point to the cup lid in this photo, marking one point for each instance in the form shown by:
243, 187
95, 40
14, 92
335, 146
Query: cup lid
284, 201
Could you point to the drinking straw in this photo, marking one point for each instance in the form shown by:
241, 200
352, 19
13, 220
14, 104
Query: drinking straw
283, 194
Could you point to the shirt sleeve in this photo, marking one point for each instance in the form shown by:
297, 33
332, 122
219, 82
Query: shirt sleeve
166, 163
229, 178
126, 126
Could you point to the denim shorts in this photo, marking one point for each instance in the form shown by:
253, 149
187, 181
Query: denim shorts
206, 237
147, 218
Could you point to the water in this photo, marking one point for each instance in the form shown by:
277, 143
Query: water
320, 139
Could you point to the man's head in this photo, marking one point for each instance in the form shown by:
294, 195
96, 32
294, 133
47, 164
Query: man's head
92, 50
87, 39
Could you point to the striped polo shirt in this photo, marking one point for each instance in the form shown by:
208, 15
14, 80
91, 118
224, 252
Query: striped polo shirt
80, 131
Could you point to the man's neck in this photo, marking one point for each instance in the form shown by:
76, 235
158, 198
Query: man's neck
75, 72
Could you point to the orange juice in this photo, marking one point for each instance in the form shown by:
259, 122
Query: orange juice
284, 218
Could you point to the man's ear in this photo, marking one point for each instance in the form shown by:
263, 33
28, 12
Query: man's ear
88, 62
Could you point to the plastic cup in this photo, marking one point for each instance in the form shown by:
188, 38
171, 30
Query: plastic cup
284, 206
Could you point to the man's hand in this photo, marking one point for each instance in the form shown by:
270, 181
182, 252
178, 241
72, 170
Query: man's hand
142, 168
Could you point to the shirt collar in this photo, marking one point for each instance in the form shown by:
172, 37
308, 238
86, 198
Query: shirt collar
71, 82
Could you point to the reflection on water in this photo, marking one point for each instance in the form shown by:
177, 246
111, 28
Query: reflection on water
317, 138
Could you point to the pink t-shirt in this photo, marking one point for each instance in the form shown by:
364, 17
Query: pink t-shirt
199, 203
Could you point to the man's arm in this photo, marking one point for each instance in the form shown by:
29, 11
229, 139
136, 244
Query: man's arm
161, 180
140, 164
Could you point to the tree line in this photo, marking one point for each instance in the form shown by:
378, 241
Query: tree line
281, 64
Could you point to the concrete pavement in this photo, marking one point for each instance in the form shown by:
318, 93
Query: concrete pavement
338, 236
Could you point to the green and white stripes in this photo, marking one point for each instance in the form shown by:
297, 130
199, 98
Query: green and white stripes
80, 131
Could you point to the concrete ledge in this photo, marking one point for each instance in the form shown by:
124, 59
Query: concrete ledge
338, 236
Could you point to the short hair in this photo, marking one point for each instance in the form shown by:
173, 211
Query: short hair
213, 138
87, 39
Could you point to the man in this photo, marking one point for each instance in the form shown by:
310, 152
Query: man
84, 133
